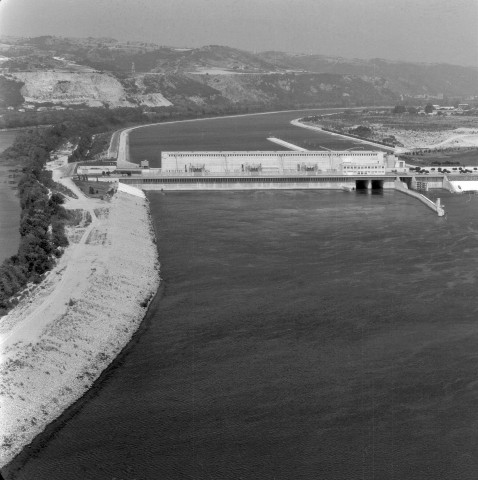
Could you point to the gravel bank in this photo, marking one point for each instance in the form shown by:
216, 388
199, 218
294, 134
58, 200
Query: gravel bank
59, 339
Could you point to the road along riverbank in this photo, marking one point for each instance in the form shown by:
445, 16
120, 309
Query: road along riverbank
69, 328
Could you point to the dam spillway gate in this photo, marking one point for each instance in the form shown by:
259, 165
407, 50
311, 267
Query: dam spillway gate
369, 184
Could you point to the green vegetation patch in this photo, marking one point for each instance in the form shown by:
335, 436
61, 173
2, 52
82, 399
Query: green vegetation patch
10, 93
42, 233
95, 189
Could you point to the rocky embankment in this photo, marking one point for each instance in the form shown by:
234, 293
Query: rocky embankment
440, 139
61, 336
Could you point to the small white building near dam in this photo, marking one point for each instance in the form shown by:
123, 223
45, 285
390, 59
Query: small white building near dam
462, 186
95, 169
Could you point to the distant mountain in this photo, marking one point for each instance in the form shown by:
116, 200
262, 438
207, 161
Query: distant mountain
104, 71
120, 58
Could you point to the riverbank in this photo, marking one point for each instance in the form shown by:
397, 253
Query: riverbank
409, 133
298, 123
458, 138
69, 328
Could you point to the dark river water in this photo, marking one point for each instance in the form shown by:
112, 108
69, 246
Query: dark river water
296, 335
9, 201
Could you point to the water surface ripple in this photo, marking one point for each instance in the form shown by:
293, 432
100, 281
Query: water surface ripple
298, 335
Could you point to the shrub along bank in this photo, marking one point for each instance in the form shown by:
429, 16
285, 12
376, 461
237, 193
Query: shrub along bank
42, 235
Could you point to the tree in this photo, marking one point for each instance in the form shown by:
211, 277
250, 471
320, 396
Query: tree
399, 109
361, 131
429, 108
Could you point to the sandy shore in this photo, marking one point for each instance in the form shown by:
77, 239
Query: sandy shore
462, 137
59, 338
421, 137
441, 139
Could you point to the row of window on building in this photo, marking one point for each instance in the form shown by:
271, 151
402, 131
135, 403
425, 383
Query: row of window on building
143, 181
281, 154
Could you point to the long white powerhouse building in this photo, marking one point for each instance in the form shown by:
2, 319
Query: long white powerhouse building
281, 162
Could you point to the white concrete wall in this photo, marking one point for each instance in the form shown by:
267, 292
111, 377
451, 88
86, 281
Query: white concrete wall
130, 190
241, 185
464, 186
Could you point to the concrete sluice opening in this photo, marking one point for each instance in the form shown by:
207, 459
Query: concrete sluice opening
361, 184
369, 184
406, 180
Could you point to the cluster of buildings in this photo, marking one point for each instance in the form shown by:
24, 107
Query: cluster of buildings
460, 109
32, 108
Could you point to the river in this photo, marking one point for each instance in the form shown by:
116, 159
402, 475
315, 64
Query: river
233, 133
297, 334
9, 203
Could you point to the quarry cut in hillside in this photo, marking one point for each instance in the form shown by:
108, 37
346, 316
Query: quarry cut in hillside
92, 89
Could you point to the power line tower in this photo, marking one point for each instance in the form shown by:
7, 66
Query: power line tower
133, 70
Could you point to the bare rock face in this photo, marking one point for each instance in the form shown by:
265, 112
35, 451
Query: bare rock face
153, 100
91, 88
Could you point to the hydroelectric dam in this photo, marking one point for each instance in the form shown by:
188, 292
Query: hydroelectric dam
274, 170
245, 170
279, 170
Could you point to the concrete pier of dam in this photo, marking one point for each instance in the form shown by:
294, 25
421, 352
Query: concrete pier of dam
436, 206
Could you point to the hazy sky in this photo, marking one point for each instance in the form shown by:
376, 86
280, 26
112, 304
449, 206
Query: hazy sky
417, 30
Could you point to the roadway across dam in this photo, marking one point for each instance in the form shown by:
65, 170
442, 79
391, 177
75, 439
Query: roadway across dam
231, 182
256, 182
